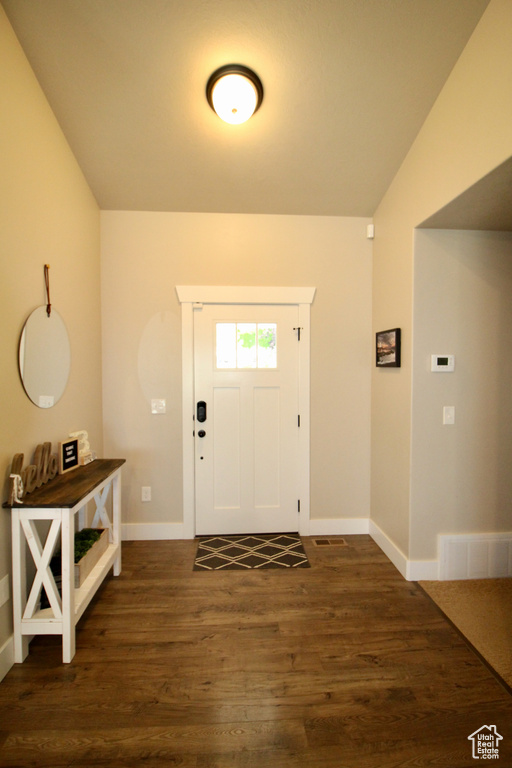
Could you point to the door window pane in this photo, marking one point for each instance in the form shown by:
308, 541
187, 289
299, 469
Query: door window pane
267, 350
226, 345
246, 345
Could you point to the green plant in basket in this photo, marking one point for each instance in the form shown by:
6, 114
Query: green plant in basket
84, 540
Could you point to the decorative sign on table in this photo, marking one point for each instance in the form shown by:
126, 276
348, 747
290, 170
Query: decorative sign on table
68, 455
47, 465
85, 455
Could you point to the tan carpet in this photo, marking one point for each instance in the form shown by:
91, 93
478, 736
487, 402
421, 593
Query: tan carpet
482, 610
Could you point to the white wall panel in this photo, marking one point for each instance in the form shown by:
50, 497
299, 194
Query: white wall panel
226, 470
267, 444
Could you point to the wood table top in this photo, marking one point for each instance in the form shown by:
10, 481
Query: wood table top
69, 489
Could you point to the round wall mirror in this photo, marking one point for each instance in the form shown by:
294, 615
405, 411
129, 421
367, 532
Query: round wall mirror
44, 357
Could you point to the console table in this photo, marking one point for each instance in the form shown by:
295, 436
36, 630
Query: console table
57, 502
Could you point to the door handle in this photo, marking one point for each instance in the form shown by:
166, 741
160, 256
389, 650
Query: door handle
201, 433
201, 411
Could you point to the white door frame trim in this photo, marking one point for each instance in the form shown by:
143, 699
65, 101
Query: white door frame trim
190, 295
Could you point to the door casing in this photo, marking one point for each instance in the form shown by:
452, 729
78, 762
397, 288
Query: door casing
190, 296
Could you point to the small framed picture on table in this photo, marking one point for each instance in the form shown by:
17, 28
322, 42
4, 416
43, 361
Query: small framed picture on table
68, 455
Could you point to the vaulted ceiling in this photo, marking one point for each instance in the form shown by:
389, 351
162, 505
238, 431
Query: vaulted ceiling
347, 86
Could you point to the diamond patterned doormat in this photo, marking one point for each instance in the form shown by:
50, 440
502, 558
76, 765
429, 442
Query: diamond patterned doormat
261, 551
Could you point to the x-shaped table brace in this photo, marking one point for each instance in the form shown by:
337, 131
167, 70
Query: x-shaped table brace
44, 576
101, 512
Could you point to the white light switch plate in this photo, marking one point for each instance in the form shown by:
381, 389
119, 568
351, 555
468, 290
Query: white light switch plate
449, 414
158, 406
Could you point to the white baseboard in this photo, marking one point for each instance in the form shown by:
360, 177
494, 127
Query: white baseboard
389, 548
152, 531
338, 526
412, 570
422, 570
6, 657
475, 556
319, 527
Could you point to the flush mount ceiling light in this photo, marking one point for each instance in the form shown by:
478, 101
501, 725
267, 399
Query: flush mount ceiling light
234, 92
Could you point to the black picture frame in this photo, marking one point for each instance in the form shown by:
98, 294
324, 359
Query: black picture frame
68, 455
388, 348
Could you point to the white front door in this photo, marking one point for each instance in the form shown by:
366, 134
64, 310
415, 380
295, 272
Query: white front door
246, 372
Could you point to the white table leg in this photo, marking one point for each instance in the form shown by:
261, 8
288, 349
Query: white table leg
116, 519
19, 586
68, 586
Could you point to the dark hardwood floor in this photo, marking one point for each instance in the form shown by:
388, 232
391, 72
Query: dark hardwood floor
341, 665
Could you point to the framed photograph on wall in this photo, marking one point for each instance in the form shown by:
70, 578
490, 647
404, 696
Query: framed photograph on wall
387, 348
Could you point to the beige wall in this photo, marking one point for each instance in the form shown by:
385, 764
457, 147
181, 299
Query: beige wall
466, 135
48, 216
145, 255
461, 474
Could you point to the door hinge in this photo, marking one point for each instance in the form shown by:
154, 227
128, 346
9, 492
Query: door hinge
298, 505
298, 420
298, 329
